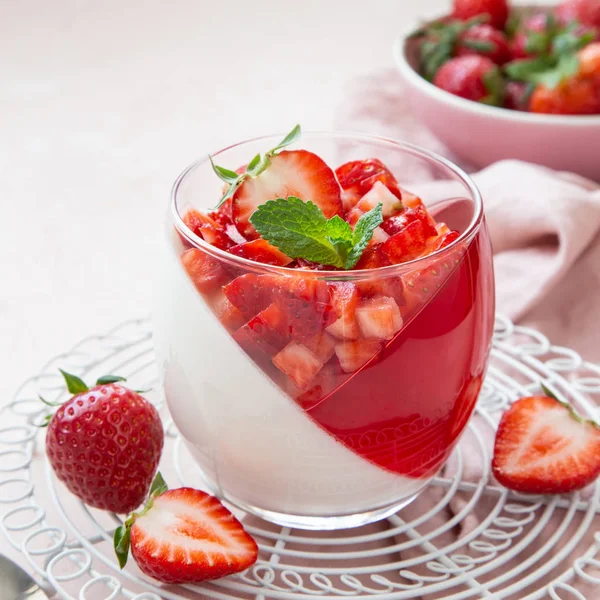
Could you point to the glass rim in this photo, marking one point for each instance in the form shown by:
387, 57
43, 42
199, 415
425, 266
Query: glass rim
362, 274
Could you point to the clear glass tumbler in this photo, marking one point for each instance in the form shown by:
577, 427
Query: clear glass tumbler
355, 432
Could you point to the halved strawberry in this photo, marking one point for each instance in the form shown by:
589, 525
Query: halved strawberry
187, 536
231, 318
359, 176
379, 193
344, 301
216, 237
298, 363
542, 447
296, 173
247, 295
206, 272
261, 251
354, 355
268, 330
379, 318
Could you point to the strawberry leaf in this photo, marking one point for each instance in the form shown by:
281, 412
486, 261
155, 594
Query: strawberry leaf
479, 45
122, 541
526, 70
106, 379
495, 86
159, 486
290, 138
74, 384
567, 67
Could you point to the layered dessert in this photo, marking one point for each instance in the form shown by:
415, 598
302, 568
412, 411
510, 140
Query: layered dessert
322, 333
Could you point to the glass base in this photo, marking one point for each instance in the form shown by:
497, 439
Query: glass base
321, 523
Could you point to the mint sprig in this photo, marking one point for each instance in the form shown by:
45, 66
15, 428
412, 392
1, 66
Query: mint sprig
301, 230
254, 168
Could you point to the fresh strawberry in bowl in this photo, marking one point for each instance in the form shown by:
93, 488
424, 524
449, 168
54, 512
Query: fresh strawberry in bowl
542, 96
294, 361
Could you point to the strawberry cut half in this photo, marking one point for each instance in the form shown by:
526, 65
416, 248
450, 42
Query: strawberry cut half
188, 536
296, 173
261, 251
541, 447
359, 176
206, 272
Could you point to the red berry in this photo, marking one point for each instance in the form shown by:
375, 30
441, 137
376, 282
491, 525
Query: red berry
523, 44
541, 448
206, 272
496, 10
261, 251
188, 536
586, 12
517, 96
472, 39
469, 77
104, 444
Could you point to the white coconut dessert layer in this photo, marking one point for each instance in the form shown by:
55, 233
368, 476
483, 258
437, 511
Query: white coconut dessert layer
249, 437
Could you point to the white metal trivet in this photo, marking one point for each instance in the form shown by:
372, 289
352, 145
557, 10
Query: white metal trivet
463, 538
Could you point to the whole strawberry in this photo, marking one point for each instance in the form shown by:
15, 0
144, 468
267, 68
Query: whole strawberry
485, 40
472, 77
496, 11
104, 444
585, 12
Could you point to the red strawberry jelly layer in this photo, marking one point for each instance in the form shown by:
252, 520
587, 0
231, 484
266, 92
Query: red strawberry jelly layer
405, 410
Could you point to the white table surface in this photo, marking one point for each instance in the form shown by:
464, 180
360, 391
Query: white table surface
102, 104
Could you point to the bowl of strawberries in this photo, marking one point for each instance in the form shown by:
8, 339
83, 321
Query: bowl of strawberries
495, 81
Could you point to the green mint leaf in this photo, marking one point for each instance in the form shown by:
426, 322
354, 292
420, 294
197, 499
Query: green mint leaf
290, 138
74, 384
299, 229
121, 541
526, 69
159, 486
363, 232
339, 230
224, 174
106, 379
479, 45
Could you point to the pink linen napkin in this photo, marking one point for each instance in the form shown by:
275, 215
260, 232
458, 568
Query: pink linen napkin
544, 225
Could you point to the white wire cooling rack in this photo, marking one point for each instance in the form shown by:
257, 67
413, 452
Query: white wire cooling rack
464, 537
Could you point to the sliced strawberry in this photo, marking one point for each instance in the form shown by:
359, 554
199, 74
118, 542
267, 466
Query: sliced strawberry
268, 330
344, 301
247, 295
322, 346
216, 237
290, 173
354, 355
399, 222
379, 193
305, 301
231, 318
261, 251
206, 272
194, 220
542, 448
188, 536
359, 176
223, 214
298, 363
379, 318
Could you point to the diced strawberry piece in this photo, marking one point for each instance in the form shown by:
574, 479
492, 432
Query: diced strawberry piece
322, 346
305, 301
354, 355
194, 220
379, 318
330, 377
379, 193
261, 251
442, 241
267, 330
379, 236
216, 237
373, 258
296, 173
353, 215
302, 263
359, 176
410, 200
187, 536
391, 285
344, 302
231, 318
206, 272
399, 222
409, 234
543, 448
298, 363
223, 214
247, 295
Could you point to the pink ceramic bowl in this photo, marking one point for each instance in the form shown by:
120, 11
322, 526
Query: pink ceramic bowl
484, 134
